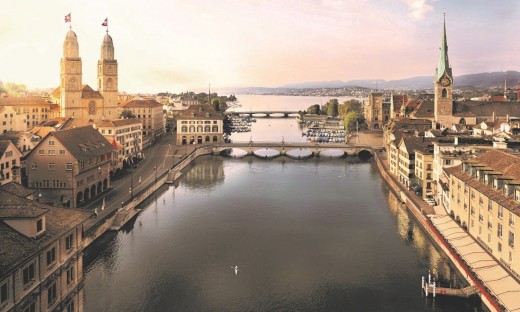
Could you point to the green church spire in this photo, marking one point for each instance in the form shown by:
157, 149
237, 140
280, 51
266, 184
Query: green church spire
444, 64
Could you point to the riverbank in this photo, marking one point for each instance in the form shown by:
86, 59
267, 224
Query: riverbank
421, 212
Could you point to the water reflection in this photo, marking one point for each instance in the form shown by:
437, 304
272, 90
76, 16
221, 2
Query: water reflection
308, 235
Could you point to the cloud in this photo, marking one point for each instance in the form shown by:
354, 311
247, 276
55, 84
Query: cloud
418, 8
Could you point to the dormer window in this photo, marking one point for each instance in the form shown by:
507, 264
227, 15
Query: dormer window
207, 114
192, 114
497, 184
507, 189
487, 179
39, 226
517, 195
464, 167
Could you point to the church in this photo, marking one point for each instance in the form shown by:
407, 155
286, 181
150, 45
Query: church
445, 112
79, 100
441, 108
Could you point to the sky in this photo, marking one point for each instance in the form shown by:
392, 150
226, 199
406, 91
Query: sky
182, 45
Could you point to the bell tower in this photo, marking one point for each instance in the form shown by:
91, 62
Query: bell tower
70, 77
107, 77
443, 84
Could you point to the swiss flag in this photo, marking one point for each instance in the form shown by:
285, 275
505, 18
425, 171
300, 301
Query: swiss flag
105, 23
67, 18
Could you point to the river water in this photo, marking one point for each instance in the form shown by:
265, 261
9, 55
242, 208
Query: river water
307, 235
313, 235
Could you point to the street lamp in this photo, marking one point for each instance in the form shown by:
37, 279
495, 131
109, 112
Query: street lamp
131, 185
155, 168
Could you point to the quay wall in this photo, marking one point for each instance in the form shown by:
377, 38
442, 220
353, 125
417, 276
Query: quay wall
417, 210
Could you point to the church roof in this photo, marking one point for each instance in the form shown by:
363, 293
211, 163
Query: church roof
107, 48
24, 100
56, 93
444, 64
481, 108
88, 93
116, 122
425, 110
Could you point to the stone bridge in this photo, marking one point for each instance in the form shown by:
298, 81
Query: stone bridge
285, 148
267, 114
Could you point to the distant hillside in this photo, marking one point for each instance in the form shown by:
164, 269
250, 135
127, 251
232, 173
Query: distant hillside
480, 80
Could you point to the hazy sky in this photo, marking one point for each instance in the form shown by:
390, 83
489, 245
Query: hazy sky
179, 45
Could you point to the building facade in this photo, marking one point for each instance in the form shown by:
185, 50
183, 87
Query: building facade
126, 135
10, 158
43, 270
485, 200
70, 167
32, 110
200, 124
150, 114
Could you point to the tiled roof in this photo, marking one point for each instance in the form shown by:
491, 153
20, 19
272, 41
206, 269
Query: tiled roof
4, 144
88, 93
83, 142
141, 103
26, 100
17, 189
56, 92
116, 122
487, 108
16, 248
416, 143
41, 131
425, 110
199, 111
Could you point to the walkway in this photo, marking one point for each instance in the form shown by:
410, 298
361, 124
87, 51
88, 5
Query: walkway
504, 288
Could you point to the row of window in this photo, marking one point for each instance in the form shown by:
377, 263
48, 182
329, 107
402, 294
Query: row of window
200, 129
199, 122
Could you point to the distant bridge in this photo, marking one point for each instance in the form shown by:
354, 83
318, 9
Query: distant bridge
267, 114
285, 148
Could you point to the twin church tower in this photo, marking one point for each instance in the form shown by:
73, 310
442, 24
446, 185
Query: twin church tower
81, 101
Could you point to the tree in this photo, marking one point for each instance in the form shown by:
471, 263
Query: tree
350, 106
216, 104
332, 108
352, 121
226, 125
127, 114
313, 109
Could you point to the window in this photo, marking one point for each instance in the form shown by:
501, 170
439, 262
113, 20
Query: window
51, 143
41, 152
500, 212
51, 294
4, 293
39, 225
499, 230
28, 274
34, 165
480, 200
511, 239
511, 219
490, 205
51, 256
70, 306
62, 152
52, 166
499, 247
68, 166
70, 275
69, 242
8, 153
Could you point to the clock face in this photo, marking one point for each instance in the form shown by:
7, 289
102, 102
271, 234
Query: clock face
445, 82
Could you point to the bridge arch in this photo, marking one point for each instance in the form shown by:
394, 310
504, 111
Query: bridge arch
364, 154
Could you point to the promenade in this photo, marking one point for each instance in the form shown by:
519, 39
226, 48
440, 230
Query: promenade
498, 289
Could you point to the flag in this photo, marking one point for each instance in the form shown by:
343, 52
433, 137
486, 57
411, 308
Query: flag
67, 18
105, 23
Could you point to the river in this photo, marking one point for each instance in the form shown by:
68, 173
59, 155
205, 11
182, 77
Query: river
313, 235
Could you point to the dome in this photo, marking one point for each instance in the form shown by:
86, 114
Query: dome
71, 46
107, 48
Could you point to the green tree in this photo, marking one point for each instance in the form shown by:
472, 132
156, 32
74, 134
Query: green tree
226, 125
127, 114
313, 109
216, 104
350, 106
352, 121
332, 108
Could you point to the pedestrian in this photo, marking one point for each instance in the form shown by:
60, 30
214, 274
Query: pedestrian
139, 179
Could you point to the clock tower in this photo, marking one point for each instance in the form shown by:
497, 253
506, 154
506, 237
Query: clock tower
443, 85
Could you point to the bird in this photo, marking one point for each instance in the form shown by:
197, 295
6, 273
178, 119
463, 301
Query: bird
236, 269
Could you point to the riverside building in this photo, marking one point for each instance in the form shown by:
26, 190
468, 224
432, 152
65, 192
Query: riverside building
200, 124
485, 200
43, 268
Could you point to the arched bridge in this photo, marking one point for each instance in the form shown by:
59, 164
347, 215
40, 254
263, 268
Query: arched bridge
285, 148
267, 114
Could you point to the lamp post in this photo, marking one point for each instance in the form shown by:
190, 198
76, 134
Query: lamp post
131, 185
155, 168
